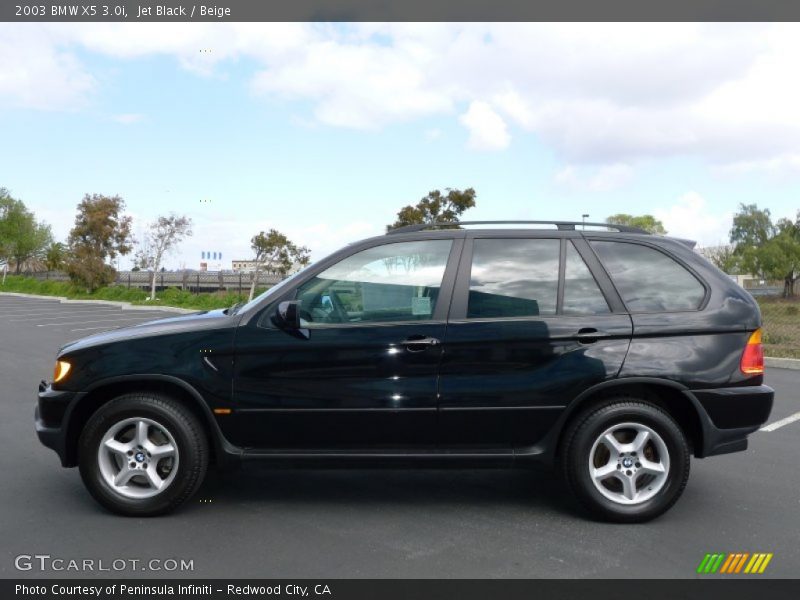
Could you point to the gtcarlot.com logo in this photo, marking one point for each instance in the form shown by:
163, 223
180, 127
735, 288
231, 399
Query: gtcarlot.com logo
735, 563
46, 562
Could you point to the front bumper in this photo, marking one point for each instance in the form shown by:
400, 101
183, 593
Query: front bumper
50, 419
729, 415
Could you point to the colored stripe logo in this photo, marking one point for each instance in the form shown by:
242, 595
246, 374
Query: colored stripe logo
733, 563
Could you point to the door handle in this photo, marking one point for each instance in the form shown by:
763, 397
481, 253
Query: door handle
589, 335
419, 343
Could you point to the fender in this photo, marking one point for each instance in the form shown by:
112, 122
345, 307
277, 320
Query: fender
227, 454
545, 450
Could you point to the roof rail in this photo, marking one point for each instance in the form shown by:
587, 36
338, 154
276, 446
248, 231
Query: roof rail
562, 225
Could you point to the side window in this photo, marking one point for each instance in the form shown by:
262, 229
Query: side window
649, 280
513, 278
582, 295
391, 282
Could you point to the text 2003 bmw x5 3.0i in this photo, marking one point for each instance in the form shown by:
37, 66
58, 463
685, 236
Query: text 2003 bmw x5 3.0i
611, 354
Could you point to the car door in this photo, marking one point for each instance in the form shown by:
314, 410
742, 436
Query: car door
363, 369
531, 326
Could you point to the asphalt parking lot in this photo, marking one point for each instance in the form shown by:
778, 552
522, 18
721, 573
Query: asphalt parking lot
260, 522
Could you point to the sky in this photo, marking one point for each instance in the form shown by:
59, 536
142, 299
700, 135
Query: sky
324, 131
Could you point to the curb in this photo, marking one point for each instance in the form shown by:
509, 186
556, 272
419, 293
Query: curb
122, 305
782, 363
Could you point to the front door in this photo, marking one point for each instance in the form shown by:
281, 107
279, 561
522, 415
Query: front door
530, 328
364, 370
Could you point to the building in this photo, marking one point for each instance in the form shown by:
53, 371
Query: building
248, 266
245, 266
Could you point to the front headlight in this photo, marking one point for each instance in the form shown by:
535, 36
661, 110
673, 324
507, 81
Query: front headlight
61, 371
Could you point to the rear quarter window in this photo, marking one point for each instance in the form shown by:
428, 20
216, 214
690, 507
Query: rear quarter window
648, 280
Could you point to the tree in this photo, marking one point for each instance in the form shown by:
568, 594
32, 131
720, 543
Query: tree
101, 232
275, 252
436, 207
163, 235
55, 256
769, 250
721, 256
646, 222
22, 237
751, 227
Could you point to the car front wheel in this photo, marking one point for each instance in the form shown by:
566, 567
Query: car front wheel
625, 460
143, 454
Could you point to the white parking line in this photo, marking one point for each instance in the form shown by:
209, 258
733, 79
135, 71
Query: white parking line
29, 306
139, 320
58, 315
15, 309
778, 424
105, 327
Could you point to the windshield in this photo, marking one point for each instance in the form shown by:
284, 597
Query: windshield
274, 289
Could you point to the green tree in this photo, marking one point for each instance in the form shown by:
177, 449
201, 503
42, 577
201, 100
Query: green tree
55, 256
769, 250
273, 251
22, 237
163, 235
101, 232
436, 207
646, 222
751, 227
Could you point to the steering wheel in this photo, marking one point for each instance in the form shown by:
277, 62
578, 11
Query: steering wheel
338, 307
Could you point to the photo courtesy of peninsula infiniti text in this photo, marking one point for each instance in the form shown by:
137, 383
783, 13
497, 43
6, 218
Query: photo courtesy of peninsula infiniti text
609, 354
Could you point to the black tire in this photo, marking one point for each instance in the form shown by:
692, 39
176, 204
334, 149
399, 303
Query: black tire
166, 413
575, 454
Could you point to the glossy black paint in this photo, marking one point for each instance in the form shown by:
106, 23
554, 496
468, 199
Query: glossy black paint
493, 390
348, 385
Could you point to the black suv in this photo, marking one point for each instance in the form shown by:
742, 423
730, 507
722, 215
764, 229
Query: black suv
611, 354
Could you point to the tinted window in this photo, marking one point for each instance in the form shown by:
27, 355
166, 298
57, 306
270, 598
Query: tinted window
513, 278
582, 295
392, 282
649, 280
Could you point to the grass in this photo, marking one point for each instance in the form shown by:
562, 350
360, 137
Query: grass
169, 297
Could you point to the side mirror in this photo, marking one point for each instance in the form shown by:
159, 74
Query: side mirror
289, 314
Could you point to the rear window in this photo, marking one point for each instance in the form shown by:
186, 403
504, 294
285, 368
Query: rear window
514, 278
649, 280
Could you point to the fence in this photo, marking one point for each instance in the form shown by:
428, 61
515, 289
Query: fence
192, 281
781, 318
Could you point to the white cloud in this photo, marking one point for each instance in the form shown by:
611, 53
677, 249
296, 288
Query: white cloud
358, 86
783, 165
689, 217
594, 93
595, 179
487, 130
35, 72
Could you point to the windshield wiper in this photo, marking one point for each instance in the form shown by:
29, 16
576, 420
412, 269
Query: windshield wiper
232, 309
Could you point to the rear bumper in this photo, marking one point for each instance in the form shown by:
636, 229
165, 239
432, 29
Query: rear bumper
729, 415
50, 422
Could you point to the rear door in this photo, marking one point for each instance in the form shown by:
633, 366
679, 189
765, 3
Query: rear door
534, 322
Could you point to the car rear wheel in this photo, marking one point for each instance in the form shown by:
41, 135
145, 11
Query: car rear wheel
625, 460
143, 454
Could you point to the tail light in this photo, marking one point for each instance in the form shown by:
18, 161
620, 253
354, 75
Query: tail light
752, 362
